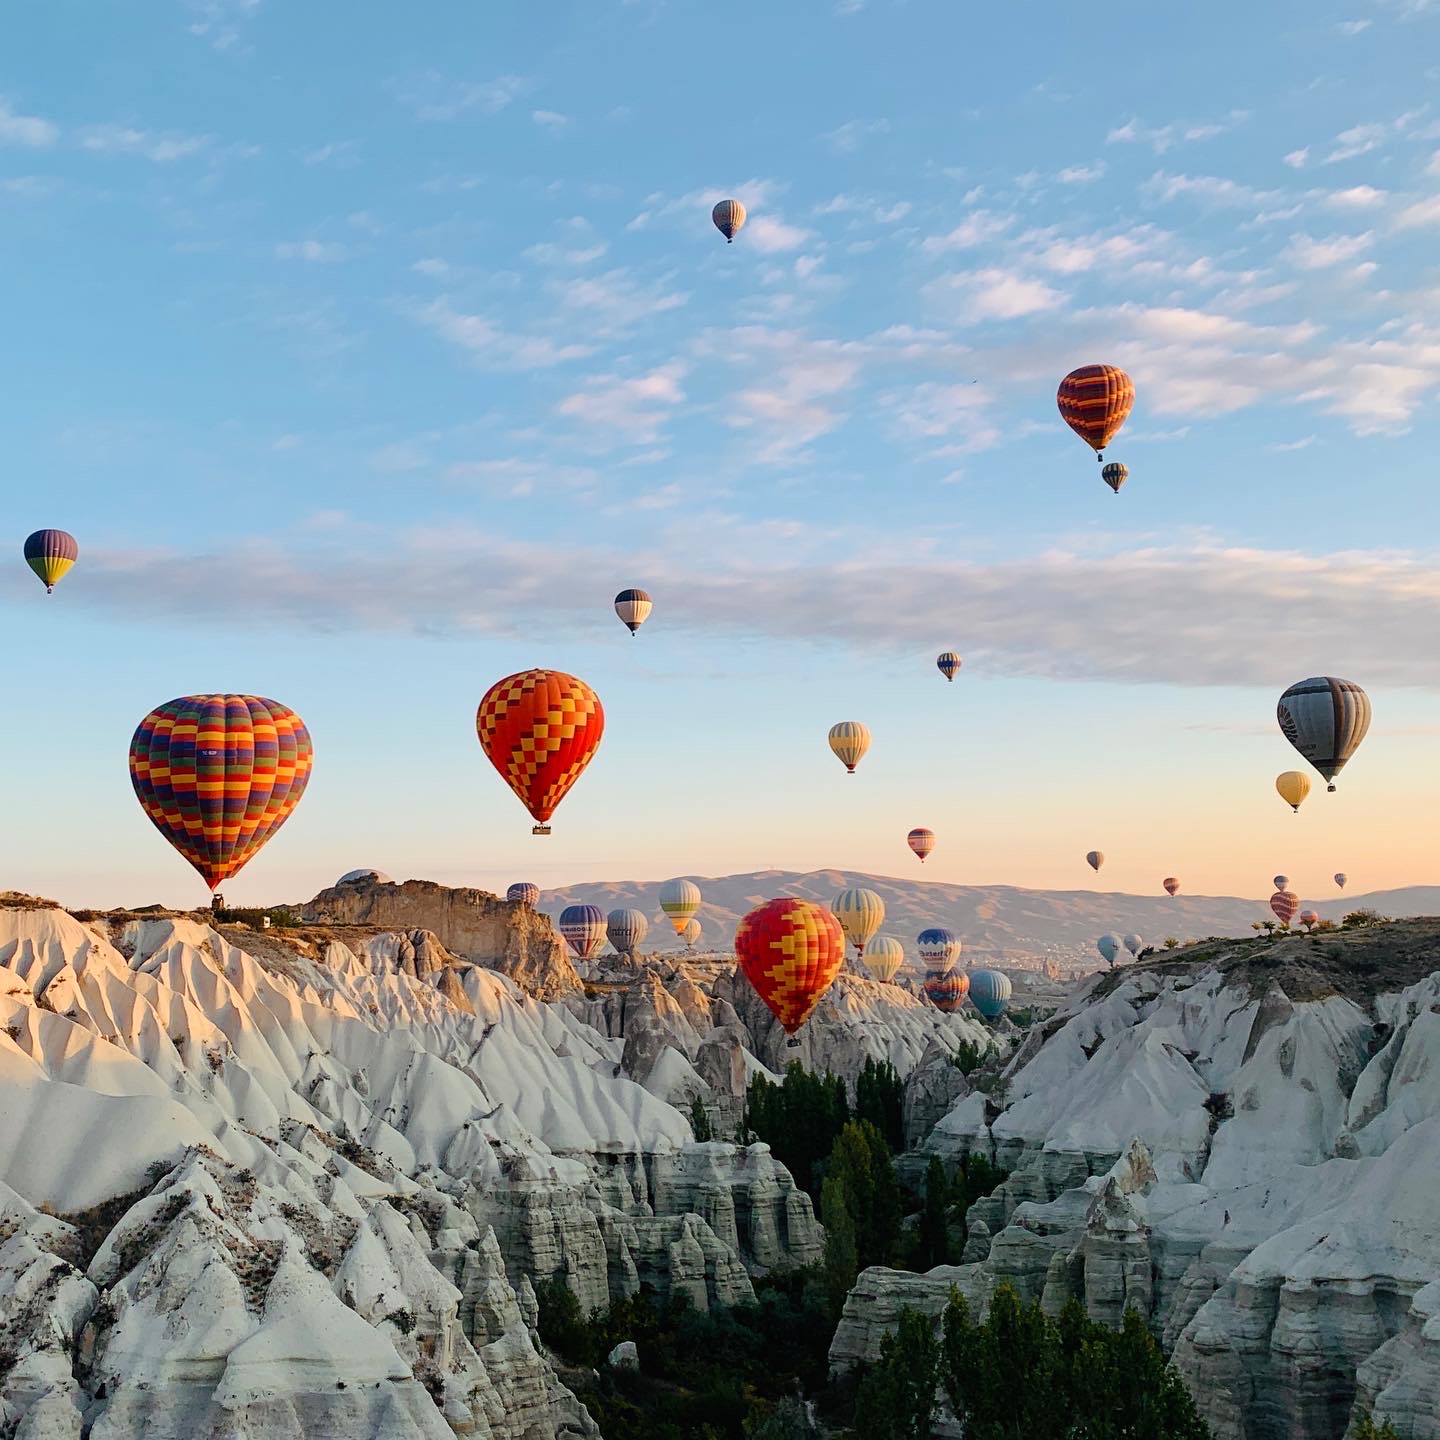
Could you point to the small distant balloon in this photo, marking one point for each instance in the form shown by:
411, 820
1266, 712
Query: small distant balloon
1109, 948
1171, 884
939, 949
1133, 943
729, 218
1095, 859
990, 992
1293, 786
679, 899
1284, 903
921, 841
790, 951
860, 913
583, 927
883, 958
1115, 475
633, 607
849, 740
1325, 719
524, 892
1281, 882
691, 933
625, 929
947, 991
1309, 918
948, 663
1094, 402
50, 554
1340, 878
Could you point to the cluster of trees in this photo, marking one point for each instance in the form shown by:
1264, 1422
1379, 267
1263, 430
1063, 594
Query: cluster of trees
946, 1196
1020, 1373
859, 1208
801, 1118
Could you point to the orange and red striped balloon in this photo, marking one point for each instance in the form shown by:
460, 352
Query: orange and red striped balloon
218, 775
947, 991
1094, 402
790, 951
539, 729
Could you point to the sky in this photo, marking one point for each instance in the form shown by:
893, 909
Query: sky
369, 350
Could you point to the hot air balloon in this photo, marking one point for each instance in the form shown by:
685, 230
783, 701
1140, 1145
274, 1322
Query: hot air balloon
790, 951
849, 740
691, 933
1309, 918
1281, 882
1109, 947
218, 775
1340, 878
1171, 884
883, 958
540, 729
1115, 475
1094, 401
1292, 786
947, 991
1133, 944
989, 992
921, 841
1325, 720
367, 876
939, 949
525, 893
860, 913
679, 899
1095, 859
729, 218
625, 929
633, 607
50, 553
948, 663
1284, 903
583, 927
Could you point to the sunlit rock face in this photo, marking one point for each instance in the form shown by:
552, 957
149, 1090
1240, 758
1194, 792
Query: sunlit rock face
1253, 1171
283, 1185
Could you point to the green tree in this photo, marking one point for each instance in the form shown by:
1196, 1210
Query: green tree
880, 1099
897, 1398
798, 1119
1365, 1429
861, 1161
842, 1262
934, 1229
700, 1121
562, 1323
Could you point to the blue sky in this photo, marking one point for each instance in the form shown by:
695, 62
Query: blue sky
369, 353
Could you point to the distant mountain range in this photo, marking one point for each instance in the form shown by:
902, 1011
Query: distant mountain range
1001, 923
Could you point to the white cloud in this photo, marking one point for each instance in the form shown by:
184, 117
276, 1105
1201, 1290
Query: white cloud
221, 22
315, 252
547, 252
770, 235
1161, 138
432, 266
1296, 158
1357, 197
1308, 253
1357, 140
962, 415
694, 207
1423, 212
431, 96
1208, 190
848, 137
489, 345
995, 294
344, 154
1353, 27
1433, 168
1286, 447
550, 120
161, 147
1076, 256
977, 228
633, 410
616, 300
30, 132
1081, 174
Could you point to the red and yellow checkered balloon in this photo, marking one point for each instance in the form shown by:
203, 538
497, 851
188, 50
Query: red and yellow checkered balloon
539, 729
790, 951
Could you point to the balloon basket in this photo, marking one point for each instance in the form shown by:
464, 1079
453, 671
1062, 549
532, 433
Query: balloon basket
792, 1043
539, 829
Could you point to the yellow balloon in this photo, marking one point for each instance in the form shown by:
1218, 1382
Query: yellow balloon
849, 740
1293, 786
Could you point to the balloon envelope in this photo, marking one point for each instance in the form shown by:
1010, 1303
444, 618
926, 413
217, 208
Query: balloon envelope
1284, 903
791, 952
921, 841
1094, 402
1292, 786
218, 775
691, 933
1281, 882
729, 217
633, 607
849, 740
948, 663
1309, 918
1133, 944
1115, 475
583, 927
939, 949
990, 992
883, 958
625, 929
1171, 884
1109, 947
1095, 859
860, 913
50, 554
540, 729
679, 899
524, 893
1340, 878
1325, 719
947, 991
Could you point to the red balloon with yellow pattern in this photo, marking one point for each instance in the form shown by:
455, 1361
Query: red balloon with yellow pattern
947, 990
790, 951
1094, 402
540, 729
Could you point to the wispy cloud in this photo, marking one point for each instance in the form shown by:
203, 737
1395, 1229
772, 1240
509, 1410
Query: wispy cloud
1353, 27
1161, 138
1308, 253
491, 345
977, 228
550, 120
221, 22
30, 132
1422, 212
1298, 159
314, 252
631, 410
163, 147
771, 235
993, 293
433, 96
1081, 174
846, 138
1357, 197
1208, 190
